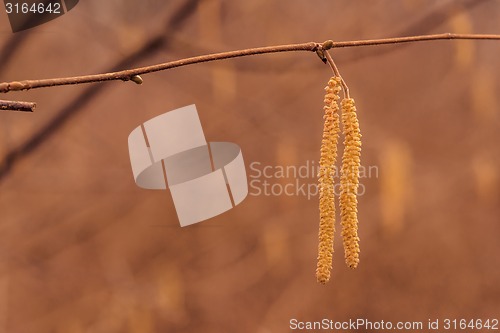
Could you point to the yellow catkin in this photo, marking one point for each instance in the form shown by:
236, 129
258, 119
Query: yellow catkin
326, 174
349, 182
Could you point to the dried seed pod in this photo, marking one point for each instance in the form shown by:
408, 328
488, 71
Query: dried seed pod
349, 182
326, 174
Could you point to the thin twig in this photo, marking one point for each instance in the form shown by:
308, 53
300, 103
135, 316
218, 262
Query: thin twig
17, 106
127, 75
337, 73
422, 38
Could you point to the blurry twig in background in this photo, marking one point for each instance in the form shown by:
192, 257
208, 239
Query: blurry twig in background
434, 19
10, 48
13, 44
156, 42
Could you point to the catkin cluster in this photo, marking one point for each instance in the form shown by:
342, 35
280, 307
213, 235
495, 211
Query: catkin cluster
326, 174
349, 180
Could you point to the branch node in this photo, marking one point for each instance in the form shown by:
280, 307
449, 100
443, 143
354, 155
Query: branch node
16, 86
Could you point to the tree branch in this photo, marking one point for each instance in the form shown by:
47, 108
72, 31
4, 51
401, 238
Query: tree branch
127, 75
17, 106
132, 74
399, 40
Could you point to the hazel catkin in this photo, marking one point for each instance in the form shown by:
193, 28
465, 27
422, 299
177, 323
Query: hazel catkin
326, 175
349, 182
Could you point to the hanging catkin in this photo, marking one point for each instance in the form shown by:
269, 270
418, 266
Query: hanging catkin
326, 175
349, 182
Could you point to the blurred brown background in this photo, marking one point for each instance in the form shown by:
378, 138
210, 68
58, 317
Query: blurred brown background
82, 249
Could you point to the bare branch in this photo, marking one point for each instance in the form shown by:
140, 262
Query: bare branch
127, 75
133, 74
399, 40
17, 106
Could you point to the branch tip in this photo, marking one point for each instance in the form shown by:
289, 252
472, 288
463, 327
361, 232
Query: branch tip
17, 106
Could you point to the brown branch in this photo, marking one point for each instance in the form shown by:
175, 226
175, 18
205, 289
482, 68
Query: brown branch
132, 74
17, 106
127, 75
399, 40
